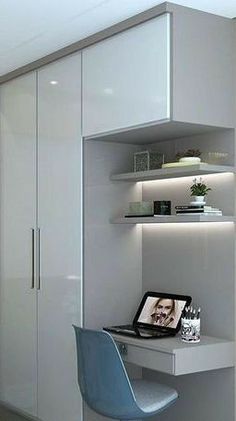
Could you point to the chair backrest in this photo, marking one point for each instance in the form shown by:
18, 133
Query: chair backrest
102, 377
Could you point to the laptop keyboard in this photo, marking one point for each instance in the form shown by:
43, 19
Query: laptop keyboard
144, 332
148, 333
128, 327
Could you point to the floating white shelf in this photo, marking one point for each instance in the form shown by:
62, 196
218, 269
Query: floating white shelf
154, 132
168, 219
185, 171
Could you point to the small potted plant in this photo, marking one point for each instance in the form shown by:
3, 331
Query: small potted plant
191, 156
199, 190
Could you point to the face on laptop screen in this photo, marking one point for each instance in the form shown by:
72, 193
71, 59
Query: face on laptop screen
161, 311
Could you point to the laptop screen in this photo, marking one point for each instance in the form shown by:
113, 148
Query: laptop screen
161, 311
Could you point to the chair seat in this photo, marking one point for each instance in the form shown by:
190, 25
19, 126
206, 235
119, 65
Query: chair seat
153, 397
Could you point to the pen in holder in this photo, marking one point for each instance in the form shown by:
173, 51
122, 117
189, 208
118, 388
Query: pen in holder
190, 326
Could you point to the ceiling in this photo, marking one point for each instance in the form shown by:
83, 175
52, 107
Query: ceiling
30, 29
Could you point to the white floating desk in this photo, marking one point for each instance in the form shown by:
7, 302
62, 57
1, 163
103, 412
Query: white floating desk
172, 356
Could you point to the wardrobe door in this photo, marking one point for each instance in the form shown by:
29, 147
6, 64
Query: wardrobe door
18, 329
59, 221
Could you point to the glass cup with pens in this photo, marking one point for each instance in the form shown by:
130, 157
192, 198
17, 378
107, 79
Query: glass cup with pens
190, 325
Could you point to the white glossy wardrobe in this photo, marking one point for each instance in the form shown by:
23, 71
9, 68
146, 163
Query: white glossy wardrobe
41, 240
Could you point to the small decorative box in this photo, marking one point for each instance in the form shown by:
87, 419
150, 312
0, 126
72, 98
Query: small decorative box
148, 160
140, 209
162, 207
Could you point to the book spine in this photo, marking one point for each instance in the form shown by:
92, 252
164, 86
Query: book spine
198, 211
190, 211
188, 207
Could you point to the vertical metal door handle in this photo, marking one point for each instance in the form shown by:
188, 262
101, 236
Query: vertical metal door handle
39, 263
32, 258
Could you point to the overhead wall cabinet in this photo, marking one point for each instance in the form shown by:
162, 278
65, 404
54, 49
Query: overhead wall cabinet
41, 241
160, 79
125, 83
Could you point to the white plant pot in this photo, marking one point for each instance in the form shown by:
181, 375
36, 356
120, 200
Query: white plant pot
198, 200
190, 159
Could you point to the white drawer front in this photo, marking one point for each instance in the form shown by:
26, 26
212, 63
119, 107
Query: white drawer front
155, 360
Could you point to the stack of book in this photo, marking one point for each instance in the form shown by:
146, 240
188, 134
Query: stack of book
193, 210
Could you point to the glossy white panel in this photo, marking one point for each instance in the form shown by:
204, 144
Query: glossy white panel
126, 78
113, 282
17, 217
59, 219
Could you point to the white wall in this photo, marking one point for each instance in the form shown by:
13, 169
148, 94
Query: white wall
196, 259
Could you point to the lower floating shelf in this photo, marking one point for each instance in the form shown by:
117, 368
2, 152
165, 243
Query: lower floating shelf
170, 219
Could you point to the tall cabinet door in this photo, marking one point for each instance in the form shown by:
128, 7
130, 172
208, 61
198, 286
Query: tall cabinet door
59, 221
18, 338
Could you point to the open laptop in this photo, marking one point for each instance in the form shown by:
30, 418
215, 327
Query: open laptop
158, 316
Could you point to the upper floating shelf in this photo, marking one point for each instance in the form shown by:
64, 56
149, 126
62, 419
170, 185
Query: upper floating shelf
185, 171
173, 219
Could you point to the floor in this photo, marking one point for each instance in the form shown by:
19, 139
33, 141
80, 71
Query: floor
9, 416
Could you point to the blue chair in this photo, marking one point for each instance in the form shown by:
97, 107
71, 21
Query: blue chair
104, 383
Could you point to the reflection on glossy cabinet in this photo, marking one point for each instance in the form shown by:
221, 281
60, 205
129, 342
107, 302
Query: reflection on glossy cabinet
59, 219
18, 329
124, 82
